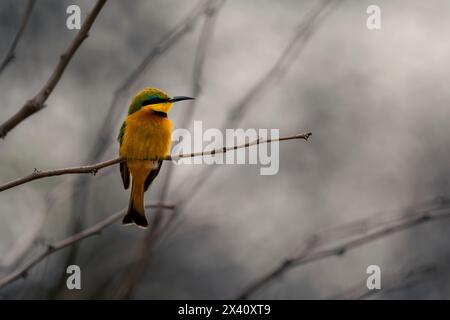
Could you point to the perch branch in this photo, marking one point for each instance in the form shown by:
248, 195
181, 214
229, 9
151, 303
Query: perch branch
94, 168
36, 103
96, 229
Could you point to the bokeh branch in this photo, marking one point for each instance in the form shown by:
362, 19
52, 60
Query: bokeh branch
213, 9
57, 246
10, 55
354, 235
303, 33
36, 103
391, 282
93, 169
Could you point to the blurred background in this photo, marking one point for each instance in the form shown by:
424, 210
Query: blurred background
376, 102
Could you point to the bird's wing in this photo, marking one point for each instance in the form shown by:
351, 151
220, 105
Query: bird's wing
152, 175
122, 132
125, 174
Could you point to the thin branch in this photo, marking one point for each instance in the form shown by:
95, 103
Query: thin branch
10, 55
37, 102
390, 282
325, 248
301, 136
96, 229
295, 47
306, 249
94, 168
167, 41
22, 245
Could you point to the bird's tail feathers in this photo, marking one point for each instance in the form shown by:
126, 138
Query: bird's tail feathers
136, 211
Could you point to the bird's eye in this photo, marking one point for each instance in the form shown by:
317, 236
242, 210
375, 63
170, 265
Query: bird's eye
153, 100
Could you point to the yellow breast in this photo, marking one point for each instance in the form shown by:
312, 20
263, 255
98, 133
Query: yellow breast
147, 136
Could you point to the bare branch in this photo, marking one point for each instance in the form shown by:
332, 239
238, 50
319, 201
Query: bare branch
391, 282
22, 245
10, 55
37, 102
96, 229
306, 249
328, 247
94, 168
294, 48
302, 136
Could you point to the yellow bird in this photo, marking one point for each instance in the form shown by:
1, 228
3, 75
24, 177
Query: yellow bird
145, 135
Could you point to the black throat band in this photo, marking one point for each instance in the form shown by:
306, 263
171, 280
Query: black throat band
160, 114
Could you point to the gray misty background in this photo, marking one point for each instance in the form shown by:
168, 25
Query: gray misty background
376, 102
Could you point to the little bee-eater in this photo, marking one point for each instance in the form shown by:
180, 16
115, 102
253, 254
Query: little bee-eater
145, 136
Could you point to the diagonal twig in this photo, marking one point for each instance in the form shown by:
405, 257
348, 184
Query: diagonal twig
10, 55
276, 272
314, 18
328, 248
57, 246
214, 6
391, 282
36, 103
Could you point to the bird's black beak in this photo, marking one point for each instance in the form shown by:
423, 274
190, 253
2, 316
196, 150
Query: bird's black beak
180, 98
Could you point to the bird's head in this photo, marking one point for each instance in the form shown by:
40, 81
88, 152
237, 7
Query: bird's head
154, 99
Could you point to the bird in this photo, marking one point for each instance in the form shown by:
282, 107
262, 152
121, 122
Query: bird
145, 138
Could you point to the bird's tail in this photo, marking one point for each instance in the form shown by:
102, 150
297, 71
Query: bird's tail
136, 211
